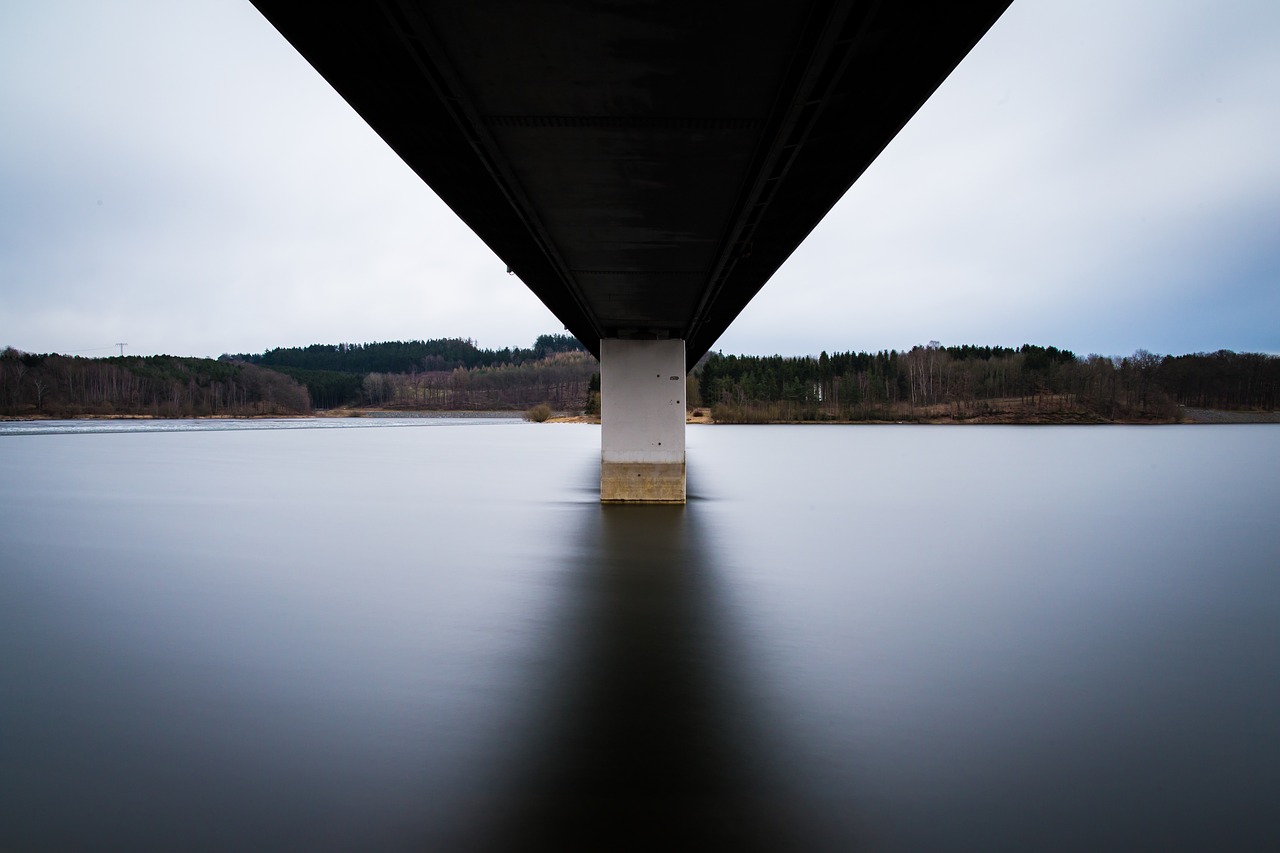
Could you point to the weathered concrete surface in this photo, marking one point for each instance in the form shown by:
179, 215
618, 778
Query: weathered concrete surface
641, 482
642, 414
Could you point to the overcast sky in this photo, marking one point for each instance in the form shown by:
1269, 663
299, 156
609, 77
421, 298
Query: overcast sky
1102, 175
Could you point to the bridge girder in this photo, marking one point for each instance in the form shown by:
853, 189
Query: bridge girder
644, 166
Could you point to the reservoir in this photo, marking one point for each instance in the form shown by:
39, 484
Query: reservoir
428, 634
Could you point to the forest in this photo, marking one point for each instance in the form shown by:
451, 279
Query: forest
1027, 383
563, 381
448, 374
932, 383
164, 386
438, 354
435, 373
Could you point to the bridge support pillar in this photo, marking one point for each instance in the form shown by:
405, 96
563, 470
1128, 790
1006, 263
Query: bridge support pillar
642, 418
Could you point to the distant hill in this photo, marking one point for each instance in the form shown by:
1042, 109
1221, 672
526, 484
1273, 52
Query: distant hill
406, 356
1025, 384
52, 385
420, 374
927, 383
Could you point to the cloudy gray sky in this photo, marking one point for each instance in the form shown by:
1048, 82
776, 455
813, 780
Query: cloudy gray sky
1101, 175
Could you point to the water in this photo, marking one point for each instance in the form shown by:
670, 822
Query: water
430, 635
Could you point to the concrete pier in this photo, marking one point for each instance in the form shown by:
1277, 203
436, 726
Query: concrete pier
642, 415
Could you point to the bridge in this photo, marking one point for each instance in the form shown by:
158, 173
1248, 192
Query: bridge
644, 166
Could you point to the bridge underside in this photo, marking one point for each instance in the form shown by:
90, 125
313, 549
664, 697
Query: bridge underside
644, 166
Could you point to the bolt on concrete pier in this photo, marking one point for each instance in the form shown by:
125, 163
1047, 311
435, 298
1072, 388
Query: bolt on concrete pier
642, 415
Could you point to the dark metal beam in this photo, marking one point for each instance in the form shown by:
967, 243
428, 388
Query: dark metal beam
644, 167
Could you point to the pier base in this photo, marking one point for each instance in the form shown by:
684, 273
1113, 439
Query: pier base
642, 414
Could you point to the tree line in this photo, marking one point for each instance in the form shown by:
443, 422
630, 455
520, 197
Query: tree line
557, 371
337, 375
975, 381
926, 382
437, 354
161, 386
562, 380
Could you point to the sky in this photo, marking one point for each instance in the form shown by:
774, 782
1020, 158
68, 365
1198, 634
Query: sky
1098, 175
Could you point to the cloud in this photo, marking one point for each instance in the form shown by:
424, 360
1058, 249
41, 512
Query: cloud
1085, 162
1100, 176
186, 181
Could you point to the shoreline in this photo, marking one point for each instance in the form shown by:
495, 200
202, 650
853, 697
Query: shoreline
1189, 417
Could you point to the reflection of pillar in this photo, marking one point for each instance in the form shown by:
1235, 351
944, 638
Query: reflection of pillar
642, 421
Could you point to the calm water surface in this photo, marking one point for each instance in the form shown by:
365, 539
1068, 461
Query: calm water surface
429, 635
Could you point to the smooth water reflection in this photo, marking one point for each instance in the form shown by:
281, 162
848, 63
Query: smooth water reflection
1011, 639
650, 737
852, 638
